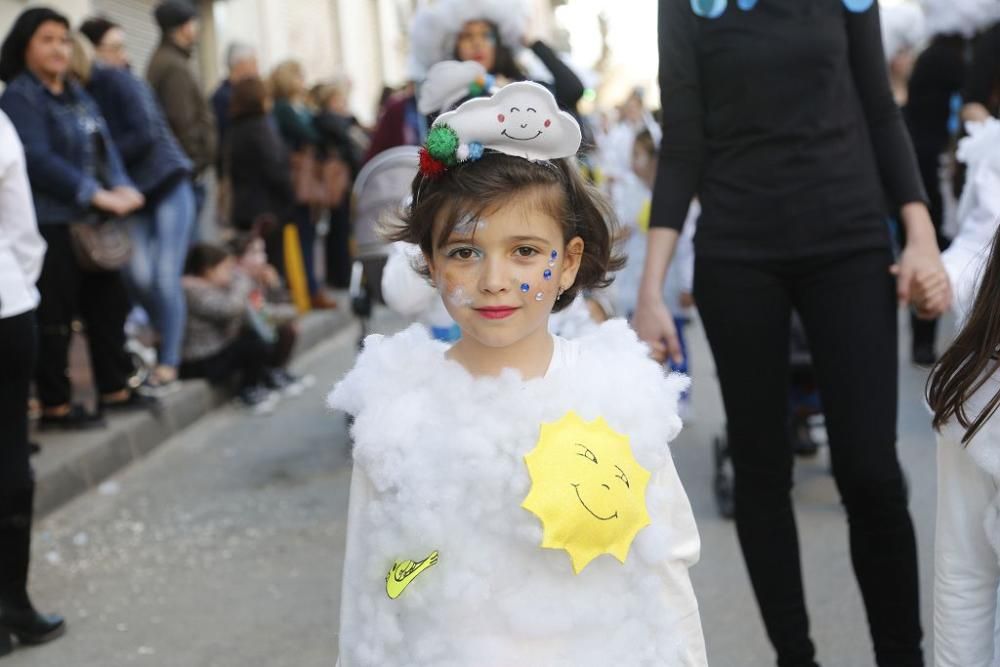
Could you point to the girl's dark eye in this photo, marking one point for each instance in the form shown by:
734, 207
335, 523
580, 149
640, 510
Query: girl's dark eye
525, 251
462, 253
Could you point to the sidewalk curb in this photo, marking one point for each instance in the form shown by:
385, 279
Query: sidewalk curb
72, 463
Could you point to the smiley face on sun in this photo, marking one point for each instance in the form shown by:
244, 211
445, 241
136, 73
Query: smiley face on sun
587, 489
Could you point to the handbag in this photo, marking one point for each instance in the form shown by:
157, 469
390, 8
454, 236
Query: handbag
319, 182
101, 245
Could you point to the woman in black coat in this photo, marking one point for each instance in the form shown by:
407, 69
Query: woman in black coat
777, 114
257, 163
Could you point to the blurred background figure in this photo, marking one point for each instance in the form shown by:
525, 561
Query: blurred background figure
161, 231
903, 35
295, 124
77, 177
22, 251
169, 73
488, 32
219, 344
241, 63
341, 138
258, 169
108, 39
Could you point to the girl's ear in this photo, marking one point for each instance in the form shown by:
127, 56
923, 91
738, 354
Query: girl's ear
572, 259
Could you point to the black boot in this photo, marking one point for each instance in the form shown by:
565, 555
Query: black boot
18, 617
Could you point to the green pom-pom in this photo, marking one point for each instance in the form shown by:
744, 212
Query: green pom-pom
442, 142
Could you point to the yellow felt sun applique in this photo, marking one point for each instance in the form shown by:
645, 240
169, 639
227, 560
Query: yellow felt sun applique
587, 488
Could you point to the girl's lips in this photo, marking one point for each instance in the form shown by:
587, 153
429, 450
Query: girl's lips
496, 312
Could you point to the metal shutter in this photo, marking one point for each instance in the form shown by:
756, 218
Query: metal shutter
141, 32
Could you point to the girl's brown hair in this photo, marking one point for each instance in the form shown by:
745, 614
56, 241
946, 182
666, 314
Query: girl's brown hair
971, 359
471, 189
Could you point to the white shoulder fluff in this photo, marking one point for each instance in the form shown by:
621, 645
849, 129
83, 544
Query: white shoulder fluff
439, 468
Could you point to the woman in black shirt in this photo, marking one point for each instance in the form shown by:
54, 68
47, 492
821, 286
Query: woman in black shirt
777, 114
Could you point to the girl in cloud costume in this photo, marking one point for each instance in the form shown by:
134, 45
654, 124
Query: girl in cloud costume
514, 500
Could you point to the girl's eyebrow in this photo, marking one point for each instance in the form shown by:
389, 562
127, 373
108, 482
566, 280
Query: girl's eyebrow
531, 239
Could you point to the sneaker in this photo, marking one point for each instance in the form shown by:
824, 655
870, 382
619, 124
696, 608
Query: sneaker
281, 380
258, 399
159, 389
924, 355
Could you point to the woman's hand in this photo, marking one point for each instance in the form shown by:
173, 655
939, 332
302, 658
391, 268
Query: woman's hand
921, 279
654, 324
120, 202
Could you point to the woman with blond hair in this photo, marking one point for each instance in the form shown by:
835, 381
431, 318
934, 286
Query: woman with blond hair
295, 123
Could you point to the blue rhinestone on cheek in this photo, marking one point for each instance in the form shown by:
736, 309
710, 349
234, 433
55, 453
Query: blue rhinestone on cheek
547, 274
525, 287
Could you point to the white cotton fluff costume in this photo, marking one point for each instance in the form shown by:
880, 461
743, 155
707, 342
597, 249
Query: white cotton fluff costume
439, 466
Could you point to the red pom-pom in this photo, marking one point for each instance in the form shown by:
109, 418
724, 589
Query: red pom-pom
430, 167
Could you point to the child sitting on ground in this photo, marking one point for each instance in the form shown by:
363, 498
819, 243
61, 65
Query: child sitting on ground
270, 313
218, 344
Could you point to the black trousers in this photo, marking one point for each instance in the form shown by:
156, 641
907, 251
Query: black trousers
848, 307
246, 358
17, 363
338, 247
100, 299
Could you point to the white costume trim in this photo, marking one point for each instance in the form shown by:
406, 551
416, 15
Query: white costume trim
439, 467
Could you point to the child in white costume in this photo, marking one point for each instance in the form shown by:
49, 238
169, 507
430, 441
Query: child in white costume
514, 500
963, 384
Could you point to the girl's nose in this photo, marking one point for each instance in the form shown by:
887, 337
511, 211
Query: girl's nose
494, 278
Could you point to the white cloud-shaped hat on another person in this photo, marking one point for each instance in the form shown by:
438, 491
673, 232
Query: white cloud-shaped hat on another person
522, 119
448, 83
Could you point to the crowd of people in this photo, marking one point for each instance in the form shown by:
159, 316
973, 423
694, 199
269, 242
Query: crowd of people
807, 160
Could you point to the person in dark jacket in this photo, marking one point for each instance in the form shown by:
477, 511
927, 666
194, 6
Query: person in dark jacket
169, 73
342, 137
778, 116
162, 230
76, 175
258, 168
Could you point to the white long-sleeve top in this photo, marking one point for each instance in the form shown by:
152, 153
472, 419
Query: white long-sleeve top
22, 248
967, 536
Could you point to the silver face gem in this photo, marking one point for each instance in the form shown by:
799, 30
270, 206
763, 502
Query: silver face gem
539, 296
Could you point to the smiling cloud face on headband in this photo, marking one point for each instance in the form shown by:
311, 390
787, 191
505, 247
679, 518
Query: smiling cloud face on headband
522, 119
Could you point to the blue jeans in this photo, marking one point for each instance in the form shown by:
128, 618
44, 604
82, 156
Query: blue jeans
160, 238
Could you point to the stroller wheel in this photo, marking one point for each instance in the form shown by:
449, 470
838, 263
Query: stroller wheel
722, 483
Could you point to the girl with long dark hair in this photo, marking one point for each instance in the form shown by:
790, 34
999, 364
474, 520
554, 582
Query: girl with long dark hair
963, 391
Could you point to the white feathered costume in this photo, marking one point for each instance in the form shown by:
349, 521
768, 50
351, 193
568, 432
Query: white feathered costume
967, 541
440, 468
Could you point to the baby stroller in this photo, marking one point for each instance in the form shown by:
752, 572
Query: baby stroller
379, 190
804, 414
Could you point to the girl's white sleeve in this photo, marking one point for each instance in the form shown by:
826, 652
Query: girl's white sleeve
405, 291
966, 572
684, 552
360, 496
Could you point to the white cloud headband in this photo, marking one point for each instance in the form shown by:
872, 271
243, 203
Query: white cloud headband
522, 119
